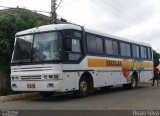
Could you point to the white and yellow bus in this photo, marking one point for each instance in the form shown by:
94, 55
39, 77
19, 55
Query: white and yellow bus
67, 57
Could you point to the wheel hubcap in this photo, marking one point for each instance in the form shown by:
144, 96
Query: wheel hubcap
134, 82
83, 86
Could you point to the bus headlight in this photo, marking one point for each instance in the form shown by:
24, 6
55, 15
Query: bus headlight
12, 78
56, 77
51, 77
15, 78
14, 85
45, 77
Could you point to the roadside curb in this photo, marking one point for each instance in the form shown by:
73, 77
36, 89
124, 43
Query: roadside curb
18, 96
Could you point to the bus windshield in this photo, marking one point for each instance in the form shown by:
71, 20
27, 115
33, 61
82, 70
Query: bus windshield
40, 47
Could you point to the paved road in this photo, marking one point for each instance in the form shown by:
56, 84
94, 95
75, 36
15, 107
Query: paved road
144, 97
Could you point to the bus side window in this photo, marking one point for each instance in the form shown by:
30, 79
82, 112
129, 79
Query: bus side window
125, 49
135, 51
115, 48
73, 50
94, 44
149, 53
76, 47
128, 50
109, 47
143, 52
91, 44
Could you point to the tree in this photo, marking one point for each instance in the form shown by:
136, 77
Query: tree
156, 57
9, 25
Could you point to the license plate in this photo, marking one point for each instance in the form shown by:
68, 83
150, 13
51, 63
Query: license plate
31, 85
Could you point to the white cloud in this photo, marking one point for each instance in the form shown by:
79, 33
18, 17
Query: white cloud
132, 19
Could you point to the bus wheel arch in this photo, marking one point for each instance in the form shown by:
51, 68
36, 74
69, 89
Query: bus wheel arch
86, 84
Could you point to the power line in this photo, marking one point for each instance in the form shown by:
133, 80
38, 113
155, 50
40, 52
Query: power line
132, 16
71, 2
58, 4
72, 22
127, 18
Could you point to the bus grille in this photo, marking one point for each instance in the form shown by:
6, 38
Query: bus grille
32, 69
35, 77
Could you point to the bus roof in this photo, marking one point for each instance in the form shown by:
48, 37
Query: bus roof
53, 27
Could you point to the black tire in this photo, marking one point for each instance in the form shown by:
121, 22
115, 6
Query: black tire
83, 88
125, 86
133, 84
46, 94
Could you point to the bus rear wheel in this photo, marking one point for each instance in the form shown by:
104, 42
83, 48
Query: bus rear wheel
46, 94
133, 84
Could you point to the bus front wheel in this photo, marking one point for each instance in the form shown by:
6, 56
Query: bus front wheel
83, 87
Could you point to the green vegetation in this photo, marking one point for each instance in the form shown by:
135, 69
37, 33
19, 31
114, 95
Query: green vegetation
156, 57
10, 23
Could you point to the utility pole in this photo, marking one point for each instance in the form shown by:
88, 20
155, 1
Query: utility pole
53, 12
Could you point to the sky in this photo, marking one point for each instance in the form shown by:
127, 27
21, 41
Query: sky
137, 20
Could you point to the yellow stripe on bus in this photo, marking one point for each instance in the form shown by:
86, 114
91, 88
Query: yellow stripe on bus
103, 63
96, 62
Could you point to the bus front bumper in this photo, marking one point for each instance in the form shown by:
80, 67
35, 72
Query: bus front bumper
55, 85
